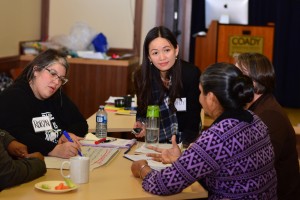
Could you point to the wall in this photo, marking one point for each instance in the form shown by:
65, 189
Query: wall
115, 20
149, 20
20, 20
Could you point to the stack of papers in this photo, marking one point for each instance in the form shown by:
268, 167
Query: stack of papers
112, 108
126, 112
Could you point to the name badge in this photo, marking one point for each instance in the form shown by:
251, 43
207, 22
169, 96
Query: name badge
41, 124
180, 104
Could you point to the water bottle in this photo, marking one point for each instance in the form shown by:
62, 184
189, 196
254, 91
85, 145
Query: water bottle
152, 125
101, 123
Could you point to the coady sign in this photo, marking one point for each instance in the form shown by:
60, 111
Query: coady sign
243, 44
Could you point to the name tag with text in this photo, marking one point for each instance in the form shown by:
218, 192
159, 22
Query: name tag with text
180, 104
41, 124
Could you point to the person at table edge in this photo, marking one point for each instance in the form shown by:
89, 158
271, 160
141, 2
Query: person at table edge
37, 93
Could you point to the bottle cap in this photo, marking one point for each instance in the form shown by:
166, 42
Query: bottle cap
153, 111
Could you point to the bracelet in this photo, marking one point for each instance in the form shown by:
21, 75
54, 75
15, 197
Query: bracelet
142, 167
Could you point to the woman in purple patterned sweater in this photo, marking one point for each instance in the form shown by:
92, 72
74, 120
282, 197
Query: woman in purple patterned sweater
232, 159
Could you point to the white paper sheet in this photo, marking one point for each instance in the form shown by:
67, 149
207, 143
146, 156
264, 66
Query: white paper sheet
153, 164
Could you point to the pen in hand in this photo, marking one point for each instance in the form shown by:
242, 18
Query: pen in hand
66, 134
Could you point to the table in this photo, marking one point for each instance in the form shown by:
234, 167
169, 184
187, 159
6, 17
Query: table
115, 122
113, 181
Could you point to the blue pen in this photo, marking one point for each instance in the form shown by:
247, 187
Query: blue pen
66, 134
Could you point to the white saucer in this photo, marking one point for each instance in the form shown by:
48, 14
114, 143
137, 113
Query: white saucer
52, 185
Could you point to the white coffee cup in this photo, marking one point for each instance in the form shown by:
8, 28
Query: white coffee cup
79, 169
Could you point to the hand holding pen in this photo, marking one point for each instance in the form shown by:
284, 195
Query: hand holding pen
66, 134
65, 149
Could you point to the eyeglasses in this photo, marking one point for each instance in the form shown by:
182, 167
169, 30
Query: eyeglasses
54, 74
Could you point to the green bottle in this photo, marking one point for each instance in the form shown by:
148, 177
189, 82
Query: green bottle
152, 125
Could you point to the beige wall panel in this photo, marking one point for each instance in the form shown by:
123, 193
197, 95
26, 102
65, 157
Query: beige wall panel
114, 18
149, 20
20, 20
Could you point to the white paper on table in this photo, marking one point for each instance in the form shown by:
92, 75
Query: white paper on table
143, 149
99, 156
152, 163
91, 136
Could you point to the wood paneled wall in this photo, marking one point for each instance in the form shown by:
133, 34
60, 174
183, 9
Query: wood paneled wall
8, 63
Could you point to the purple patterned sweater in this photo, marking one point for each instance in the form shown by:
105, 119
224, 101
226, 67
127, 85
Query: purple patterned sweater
233, 159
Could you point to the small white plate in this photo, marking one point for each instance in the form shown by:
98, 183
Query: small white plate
52, 185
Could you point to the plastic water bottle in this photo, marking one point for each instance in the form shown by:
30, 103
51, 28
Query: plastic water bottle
101, 123
152, 125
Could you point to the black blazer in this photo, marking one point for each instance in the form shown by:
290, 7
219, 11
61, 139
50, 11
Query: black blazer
189, 122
